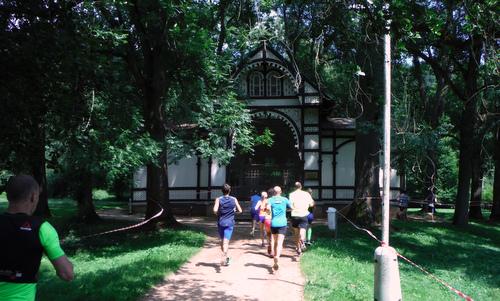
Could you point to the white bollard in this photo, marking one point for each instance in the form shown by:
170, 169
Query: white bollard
387, 284
332, 220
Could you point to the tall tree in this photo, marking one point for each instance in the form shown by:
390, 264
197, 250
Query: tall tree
495, 210
171, 57
449, 28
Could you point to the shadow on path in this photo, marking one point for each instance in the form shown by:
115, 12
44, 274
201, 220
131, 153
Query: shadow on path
249, 277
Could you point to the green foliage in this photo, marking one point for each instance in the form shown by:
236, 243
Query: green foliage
342, 269
447, 171
123, 266
488, 190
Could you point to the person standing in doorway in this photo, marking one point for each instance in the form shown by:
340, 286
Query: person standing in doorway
25, 238
225, 207
301, 202
278, 205
254, 213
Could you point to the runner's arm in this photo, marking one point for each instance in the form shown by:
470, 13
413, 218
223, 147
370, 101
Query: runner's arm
64, 268
216, 206
238, 205
257, 206
50, 242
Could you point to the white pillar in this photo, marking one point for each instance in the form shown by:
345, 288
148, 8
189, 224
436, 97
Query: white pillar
387, 283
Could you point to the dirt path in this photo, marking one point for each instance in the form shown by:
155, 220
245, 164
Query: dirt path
249, 276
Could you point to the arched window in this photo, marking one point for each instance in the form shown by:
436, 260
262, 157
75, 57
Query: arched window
273, 84
256, 84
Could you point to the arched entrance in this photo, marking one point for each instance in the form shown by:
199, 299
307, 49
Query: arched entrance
268, 166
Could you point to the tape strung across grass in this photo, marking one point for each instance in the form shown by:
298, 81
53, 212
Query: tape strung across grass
126, 228
442, 282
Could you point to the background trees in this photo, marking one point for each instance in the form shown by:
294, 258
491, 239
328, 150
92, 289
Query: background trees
93, 89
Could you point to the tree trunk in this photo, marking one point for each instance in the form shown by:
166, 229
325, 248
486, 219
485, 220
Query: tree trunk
461, 215
495, 210
366, 206
39, 171
477, 181
157, 173
222, 34
432, 113
86, 209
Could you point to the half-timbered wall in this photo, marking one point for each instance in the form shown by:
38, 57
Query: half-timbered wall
268, 87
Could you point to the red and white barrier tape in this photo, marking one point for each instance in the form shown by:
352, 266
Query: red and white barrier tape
128, 227
442, 282
361, 229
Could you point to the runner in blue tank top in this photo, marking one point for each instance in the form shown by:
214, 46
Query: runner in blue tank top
254, 214
278, 205
225, 207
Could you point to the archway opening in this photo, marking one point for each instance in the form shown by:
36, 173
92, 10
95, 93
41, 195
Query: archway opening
268, 166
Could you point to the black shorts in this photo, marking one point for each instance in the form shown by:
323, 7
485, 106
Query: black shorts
278, 230
299, 222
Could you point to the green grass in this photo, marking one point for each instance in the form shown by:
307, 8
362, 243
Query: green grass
465, 257
121, 266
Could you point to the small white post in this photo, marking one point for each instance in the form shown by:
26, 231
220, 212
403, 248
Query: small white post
387, 283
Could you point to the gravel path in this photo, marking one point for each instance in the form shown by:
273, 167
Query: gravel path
249, 276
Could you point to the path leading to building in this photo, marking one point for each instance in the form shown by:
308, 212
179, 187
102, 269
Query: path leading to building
248, 277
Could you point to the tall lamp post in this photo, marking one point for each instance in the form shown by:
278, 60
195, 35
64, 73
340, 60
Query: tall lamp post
387, 283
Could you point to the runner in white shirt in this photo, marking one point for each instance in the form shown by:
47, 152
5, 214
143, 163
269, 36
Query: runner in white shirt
301, 201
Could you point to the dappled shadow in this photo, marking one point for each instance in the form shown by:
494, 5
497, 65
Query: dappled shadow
276, 279
216, 266
472, 249
260, 265
194, 290
114, 283
119, 243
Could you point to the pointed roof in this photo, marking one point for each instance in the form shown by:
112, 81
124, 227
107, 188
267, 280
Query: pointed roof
266, 54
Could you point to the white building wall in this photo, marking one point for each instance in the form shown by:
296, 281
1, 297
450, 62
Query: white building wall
327, 170
344, 170
204, 173
218, 174
311, 141
311, 116
311, 161
183, 173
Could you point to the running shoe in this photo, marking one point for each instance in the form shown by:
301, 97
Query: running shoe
228, 261
276, 266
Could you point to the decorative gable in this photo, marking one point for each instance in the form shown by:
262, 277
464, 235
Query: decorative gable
265, 73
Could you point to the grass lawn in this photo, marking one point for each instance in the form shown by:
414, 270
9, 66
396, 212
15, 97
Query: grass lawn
119, 266
467, 258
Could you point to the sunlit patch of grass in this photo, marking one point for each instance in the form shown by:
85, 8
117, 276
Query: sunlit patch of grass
124, 268
465, 257
118, 266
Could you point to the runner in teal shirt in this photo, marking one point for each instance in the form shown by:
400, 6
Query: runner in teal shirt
278, 205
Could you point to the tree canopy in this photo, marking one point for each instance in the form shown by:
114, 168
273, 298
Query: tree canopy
91, 90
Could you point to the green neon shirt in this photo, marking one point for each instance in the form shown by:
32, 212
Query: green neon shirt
27, 291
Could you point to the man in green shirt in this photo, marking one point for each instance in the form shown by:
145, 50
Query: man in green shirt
23, 240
